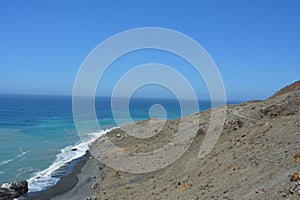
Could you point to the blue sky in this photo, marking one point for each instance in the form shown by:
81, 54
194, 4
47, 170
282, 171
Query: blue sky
255, 44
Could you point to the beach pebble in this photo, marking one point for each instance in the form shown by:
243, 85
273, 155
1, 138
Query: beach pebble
119, 136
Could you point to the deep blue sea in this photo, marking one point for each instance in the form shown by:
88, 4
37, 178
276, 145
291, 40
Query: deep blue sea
37, 133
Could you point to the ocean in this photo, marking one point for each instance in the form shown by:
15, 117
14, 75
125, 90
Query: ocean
37, 134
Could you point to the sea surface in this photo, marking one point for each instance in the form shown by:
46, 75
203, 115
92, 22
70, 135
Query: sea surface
37, 134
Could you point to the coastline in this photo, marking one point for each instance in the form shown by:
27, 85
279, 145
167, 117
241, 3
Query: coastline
83, 180
252, 160
67, 173
85, 167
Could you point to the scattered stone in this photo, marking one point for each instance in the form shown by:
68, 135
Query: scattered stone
127, 187
296, 157
185, 186
95, 186
202, 187
235, 124
200, 132
295, 177
177, 184
235, 167
117, 173
91, 198
119, 136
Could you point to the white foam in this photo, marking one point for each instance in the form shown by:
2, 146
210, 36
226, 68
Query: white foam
6, 185
6, 162
43, 179
23, 153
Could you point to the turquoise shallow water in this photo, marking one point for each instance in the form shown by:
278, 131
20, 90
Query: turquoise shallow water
37, 133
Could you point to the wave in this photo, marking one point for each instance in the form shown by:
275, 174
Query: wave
44, 179
22, 154
5, 162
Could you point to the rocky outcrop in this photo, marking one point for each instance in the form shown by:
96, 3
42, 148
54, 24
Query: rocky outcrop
12, 190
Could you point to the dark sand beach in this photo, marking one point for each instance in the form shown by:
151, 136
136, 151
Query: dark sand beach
83, 176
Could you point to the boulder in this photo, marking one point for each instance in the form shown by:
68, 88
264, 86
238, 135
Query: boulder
14, 189
119, 136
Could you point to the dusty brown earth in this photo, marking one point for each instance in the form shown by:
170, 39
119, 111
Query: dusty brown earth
256, 157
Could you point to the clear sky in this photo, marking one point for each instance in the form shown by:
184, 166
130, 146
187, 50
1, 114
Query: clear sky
255, 43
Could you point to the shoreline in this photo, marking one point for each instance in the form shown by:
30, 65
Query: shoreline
253, 128
81, 181
64, 185
255, 131
70, 181
70, 169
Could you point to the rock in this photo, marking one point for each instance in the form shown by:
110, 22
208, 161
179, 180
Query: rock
296, 157
119, 136
200, 132
234, 124
74, 149
295, 177
91, 198
14, 189
127, 187
235, 167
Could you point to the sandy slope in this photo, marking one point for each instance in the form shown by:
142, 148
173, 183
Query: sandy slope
252, 159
